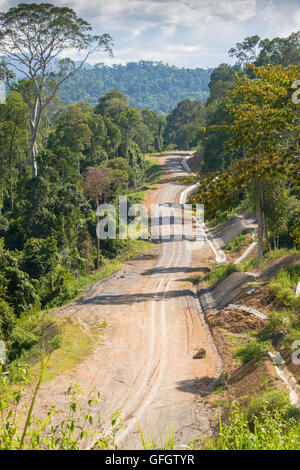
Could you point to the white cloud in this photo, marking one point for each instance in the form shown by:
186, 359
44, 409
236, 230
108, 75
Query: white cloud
184, 32
168, 29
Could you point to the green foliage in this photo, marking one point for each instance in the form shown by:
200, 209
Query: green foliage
26, 338
57, 29
283, 51
276, 322
40, 257
7, 319
21, 291
147, 85
273, 425
236, 243
21, 430
220, 272
181, 116
253, 351
283, 287
48, 223
269, 402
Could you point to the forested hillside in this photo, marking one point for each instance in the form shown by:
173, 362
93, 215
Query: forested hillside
150, 85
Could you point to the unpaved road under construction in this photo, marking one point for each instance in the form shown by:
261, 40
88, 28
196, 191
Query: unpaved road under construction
144, 364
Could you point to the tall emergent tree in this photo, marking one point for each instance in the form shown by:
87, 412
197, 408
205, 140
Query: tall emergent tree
33, 38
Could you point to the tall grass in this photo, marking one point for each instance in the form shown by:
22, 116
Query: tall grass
151, 442
253, 351
74, 430
236, 243
249, 264
283, 287
220, 272
273, 426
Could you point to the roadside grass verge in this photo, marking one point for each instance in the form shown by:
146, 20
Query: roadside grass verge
251, 263
39, 333
219, 272
154, 170
74, 344
236, 243
225, 216
271, 423
277, 321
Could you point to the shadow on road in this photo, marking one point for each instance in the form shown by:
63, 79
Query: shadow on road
196, 386
176, 269
123, 299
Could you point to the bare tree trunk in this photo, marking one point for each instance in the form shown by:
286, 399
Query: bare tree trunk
265, 229
33, 150
98, 246
259, 217
263, 216
260, 235
11, 189
34, 127
98, 241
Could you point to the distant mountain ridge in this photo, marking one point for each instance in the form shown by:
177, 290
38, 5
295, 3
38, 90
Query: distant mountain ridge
146, 84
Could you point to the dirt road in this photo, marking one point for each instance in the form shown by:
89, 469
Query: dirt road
144, 365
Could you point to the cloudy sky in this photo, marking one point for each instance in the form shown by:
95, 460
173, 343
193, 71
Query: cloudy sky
188, 33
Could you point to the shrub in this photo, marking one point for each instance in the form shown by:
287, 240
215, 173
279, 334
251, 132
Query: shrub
21, 291
253, 351
271, 429
28, 333
40, 257
7, 319
270, 401
276, 322
283, 286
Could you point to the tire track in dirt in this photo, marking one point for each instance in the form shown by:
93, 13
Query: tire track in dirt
178, 251
152, 379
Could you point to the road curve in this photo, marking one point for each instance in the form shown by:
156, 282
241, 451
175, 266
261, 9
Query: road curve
144, 364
